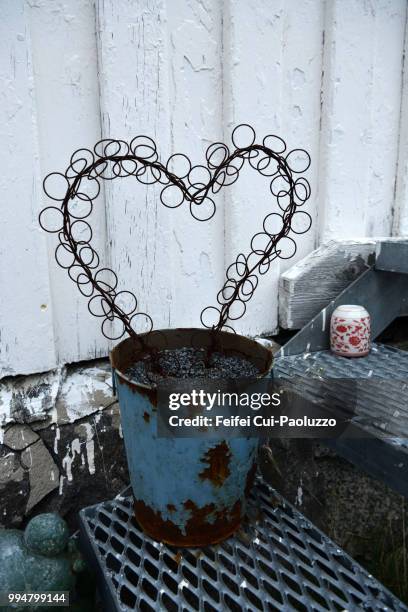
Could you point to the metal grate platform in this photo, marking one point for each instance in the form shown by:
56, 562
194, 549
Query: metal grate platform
277, 561
380, 384
381, 412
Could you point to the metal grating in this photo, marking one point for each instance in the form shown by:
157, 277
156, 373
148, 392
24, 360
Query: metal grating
381, 408
277, 561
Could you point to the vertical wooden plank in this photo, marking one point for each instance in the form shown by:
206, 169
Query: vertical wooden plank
195, 91
272, 59
67, 94
26, 330
133, 85
361, 100
389, 34
302, 65
252, 32
400, 226
160, 76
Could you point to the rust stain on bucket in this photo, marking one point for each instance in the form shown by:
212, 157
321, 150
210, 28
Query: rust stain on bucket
146, 417
206, 525
218, 459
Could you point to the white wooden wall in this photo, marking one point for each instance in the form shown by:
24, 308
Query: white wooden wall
326, 75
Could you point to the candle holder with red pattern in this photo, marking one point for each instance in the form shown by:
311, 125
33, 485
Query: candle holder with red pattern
350, 331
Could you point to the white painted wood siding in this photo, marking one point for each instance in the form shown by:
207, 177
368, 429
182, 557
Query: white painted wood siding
327, 76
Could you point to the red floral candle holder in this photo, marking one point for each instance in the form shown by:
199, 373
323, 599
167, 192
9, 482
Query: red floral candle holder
350, 330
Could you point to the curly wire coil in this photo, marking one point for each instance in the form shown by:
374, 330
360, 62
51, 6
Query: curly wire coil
80, 185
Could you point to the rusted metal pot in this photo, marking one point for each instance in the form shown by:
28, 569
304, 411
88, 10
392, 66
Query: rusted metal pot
188, 492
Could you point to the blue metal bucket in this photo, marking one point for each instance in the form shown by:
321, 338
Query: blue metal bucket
188, 492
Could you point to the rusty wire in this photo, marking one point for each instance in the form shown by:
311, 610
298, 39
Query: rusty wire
80, 185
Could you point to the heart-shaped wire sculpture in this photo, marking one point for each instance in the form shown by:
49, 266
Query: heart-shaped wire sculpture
112, 159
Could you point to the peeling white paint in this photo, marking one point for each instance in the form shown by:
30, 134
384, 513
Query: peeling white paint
90, 446
82, 392
57, 437
73, 449
61, 396
35, 395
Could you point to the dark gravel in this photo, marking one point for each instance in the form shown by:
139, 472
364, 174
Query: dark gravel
190, 363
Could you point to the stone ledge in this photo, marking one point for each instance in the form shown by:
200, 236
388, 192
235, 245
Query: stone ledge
60, 396
60, 444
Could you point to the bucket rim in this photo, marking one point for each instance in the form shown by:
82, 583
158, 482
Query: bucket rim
127, 344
